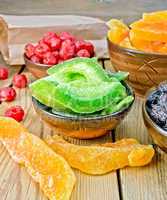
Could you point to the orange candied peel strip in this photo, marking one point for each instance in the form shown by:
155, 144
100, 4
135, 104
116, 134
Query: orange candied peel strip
150, 31
148, 46
118, 30
49, 169
100, 159
155, 16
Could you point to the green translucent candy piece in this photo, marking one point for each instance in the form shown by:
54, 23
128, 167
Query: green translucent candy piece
121, 76
119, 106
90, 97
85, 69
86, 99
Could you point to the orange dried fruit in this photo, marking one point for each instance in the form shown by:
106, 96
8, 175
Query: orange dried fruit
126, 43
100, 159
49, 169
118, 30
150, 31
144, 45
155, 16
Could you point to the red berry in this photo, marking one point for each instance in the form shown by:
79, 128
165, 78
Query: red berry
66, 36
7, 94
56, 54
3, 73
81, 44
47, 36
35, 59
20, 81
54, 43
83, 53
67, 50
49, 59
29, 50
40, 49
15, 112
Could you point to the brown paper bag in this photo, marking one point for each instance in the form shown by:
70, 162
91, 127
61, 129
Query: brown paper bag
17, 31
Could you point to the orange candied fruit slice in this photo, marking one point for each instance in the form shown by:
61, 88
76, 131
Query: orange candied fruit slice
100, 159
49, 169
118, 30
155, 16
126, 43
150, 31
144, 45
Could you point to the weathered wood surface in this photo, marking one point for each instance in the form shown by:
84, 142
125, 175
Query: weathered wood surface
125, 9
21, 186
147, 183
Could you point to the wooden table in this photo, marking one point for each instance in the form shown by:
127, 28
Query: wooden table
145, 183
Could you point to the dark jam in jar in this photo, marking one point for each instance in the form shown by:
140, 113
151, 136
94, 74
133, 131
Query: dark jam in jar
156, 106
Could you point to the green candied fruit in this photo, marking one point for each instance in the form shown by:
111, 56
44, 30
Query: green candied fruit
119, 106
79, 69
90, 97
83, 87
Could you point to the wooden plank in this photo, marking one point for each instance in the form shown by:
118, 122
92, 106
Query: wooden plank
146, 183
104, 9
23, 187
149, 182
12, 70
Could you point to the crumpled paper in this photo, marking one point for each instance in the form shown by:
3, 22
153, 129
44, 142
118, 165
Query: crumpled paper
17, 31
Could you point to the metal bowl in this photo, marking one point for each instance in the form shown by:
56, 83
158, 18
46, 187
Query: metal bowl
158, 135
82, 127
36, 69
145, 69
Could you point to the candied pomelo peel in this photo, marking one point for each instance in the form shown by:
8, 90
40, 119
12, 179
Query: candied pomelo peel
100, 159
49, 169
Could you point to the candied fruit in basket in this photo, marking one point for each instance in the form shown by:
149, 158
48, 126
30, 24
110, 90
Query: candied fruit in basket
100, 159
50, 170
118, 30
156, 16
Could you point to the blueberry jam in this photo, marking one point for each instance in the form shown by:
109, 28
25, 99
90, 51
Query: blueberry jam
156, 106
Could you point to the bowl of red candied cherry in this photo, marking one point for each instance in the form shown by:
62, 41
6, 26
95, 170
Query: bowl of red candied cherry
53, 49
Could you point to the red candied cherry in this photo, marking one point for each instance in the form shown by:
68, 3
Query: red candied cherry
20, 81
49, 59
40, 49
3, 73
47, 36
15, 112
54, 43
83, 53
81, 44
29, 50
35, 59
7, 94
56, 54
67, 36
67, 50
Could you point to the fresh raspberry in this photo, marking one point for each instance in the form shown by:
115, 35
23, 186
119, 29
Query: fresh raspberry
36, 59
48, 35
15, 112
40, 49
7, 94
3, 73
49, 59
81, 44
67, 50
20, 81
29, 50
67, 36
83, 53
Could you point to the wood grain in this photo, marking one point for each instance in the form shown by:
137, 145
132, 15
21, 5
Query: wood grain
105, 9
149, 182
21, 186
